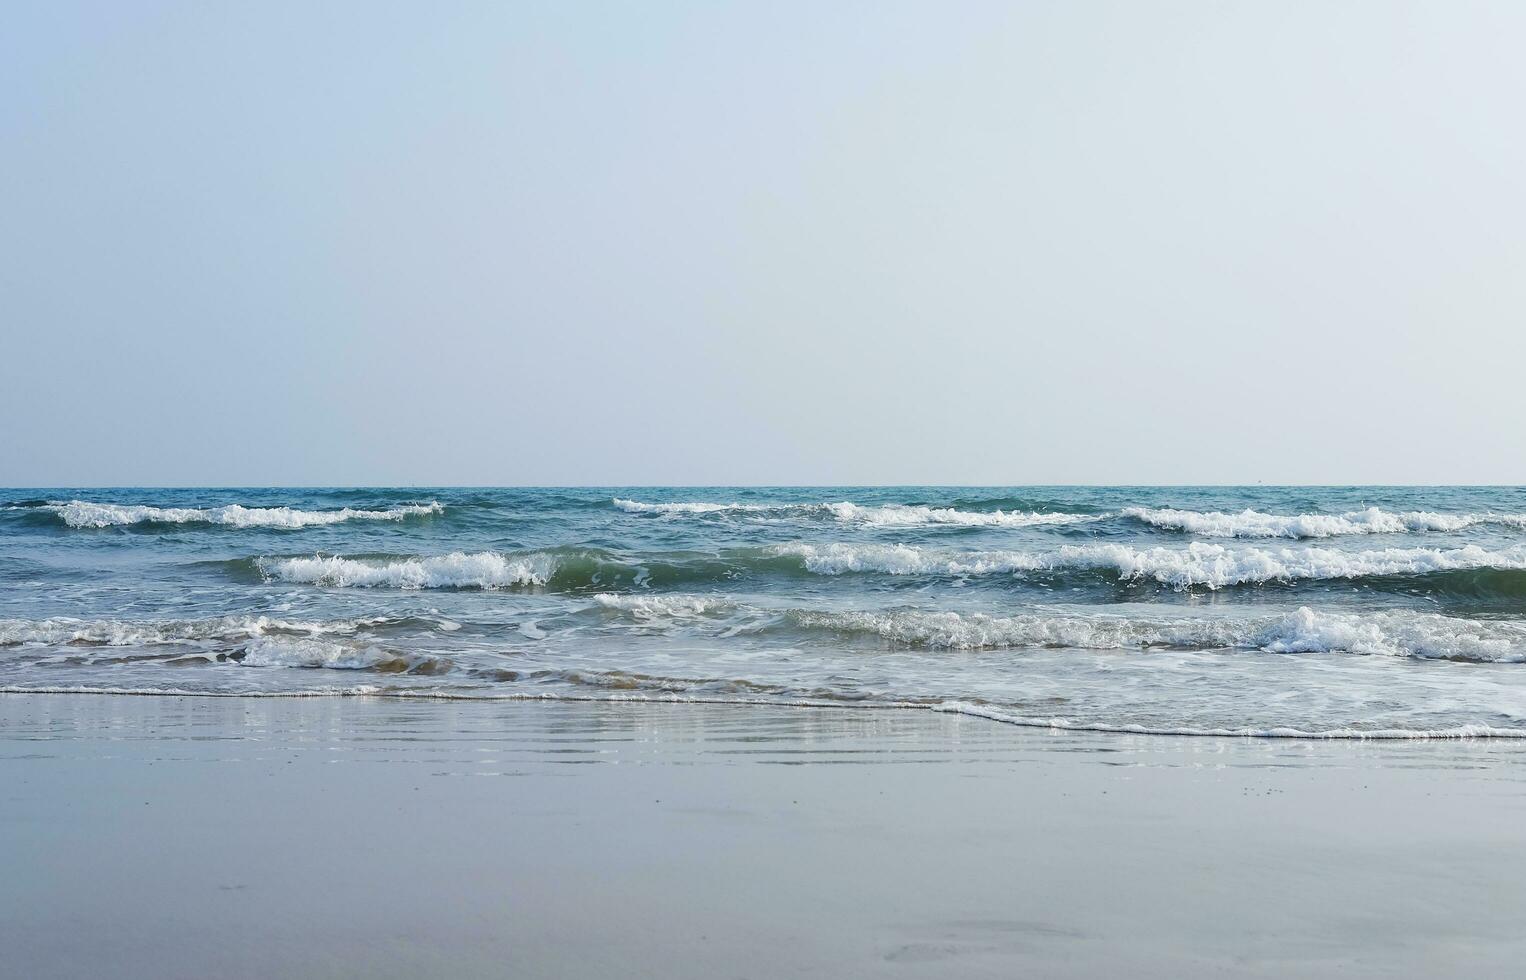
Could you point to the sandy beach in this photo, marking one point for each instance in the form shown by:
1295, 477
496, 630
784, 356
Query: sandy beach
337, 837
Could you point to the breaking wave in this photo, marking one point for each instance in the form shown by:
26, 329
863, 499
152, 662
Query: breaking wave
311, 653
60, 631
637, 507
647, 607
483, 570
1202, 565
906, 515
885, 515
1396, 633
82, 514
1469, 570
1255, 524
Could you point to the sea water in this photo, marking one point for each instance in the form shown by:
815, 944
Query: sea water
1331, 612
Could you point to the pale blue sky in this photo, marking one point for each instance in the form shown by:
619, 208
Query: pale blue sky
821, 242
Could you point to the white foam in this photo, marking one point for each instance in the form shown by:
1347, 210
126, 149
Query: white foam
1255, 524
1198, 564
1398, 633
905, 515
81, 513
482, 570
886, 515
289, 652
904, 559
637, 507
649, 607
59, 631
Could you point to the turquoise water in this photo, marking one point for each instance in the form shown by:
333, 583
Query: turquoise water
1329, 611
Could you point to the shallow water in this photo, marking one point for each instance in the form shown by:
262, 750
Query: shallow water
1279, 611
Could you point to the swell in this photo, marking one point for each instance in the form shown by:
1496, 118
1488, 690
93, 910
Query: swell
1197, 566
1009, 513
87, 514
1468, 571
551, 570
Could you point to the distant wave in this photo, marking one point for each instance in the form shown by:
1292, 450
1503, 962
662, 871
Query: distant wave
1206, 565
82, 513
637, 507
885, 515
904, 515
1255, 524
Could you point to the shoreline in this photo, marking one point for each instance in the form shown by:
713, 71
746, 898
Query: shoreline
330, 837
994, 715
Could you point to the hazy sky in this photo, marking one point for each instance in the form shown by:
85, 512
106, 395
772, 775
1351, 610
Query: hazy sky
824, 242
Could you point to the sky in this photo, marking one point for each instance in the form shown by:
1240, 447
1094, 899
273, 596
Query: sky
762, 243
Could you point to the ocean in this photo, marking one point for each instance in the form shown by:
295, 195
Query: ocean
1361, 612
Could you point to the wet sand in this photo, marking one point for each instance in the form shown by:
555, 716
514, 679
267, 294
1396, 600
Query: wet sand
325, 837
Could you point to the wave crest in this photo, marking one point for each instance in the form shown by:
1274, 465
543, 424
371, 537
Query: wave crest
458, 570
883, 515
82, 514
1423, 636
1255, 524
1197, 565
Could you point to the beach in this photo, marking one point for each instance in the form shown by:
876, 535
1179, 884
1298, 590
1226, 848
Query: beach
362, 836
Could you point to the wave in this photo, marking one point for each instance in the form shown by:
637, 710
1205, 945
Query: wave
555, 570
1424, 636
909, 515
1469, 570
1255, 524
83, 514
885, 515
310, 653
645, 607
1198, 565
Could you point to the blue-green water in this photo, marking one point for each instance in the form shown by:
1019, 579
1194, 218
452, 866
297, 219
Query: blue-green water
1334, 611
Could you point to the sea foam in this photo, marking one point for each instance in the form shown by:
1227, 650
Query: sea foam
60, 631
81, 513
312, 653
883, 515
1197, 565
1395, 633
458, 570
1255, 524
906, 515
